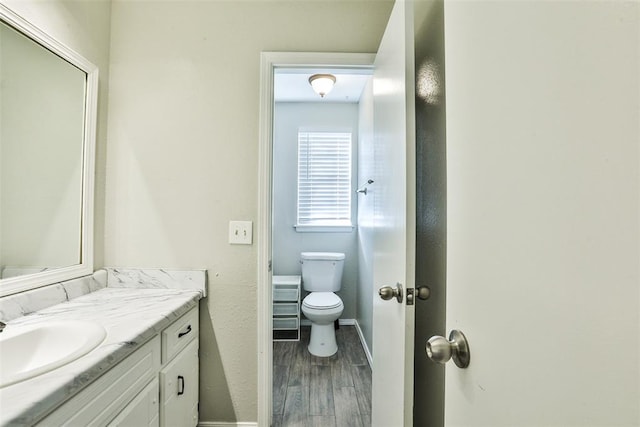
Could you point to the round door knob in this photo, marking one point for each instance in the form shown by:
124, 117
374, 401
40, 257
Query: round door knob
423, 292
387, 292
440, 350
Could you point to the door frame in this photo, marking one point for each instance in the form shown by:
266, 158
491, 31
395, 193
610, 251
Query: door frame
269, 61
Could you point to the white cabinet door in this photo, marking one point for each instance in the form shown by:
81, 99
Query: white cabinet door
179, 389
394, 220
103, 399
142, 410
543, 215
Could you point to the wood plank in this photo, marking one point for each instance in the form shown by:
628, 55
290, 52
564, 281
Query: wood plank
353, 346
301, 365
296, 407
323, 361
284, 352
341, 369
366, 419
277, 421
322, 421
280, 380
346, 407
321, 391
362, 382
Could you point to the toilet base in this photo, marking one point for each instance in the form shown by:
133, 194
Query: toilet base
323, 340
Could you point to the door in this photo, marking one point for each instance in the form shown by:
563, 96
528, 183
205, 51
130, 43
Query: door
542, 212
179, 381
394, 220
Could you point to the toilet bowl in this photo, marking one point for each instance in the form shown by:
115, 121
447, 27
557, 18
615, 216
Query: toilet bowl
322, 309
322, 276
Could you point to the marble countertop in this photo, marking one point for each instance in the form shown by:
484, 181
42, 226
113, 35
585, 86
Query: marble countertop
130, 316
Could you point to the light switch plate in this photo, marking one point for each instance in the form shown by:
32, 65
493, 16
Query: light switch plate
240, 232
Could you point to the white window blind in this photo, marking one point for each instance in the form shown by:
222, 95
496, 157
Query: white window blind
324, 178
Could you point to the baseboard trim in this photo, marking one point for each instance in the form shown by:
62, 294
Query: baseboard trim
367, 352
226, 424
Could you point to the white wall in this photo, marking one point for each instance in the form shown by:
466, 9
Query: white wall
183, 153
366, 164
287, 242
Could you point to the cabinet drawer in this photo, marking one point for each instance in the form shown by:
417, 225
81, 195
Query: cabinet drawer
288, 309
285, 323
285, 294
179, 334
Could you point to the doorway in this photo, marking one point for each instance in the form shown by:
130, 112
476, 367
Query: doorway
269, 262
397, 138
314, 174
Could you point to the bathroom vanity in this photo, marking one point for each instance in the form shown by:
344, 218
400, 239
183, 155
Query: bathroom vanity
157, 384
144, 372
80, 348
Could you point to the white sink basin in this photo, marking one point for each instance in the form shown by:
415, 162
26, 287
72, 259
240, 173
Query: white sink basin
28, 351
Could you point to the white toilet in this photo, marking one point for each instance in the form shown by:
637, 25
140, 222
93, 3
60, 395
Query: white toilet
322, 276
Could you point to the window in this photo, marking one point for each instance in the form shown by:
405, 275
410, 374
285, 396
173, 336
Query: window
324, 180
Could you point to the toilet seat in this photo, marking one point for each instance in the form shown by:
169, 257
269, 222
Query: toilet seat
322, 301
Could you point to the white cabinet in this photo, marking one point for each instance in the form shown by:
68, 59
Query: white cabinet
101, 401
157, 385
141, 411
179, 389
286, 307
179, 377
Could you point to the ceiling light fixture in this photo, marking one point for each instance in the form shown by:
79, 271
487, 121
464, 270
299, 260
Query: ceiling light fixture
322, 83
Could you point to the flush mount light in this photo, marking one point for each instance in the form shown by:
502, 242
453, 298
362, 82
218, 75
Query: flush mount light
322, 83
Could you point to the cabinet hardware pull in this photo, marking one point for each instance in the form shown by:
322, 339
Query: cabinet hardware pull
180, 385
181, 334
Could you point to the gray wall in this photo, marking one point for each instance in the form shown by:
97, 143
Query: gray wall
287, 242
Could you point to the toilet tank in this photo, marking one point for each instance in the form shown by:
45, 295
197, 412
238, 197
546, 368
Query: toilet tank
322, 271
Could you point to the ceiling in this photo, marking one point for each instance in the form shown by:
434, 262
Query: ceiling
292, 85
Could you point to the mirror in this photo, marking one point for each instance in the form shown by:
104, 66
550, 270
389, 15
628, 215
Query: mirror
48, 107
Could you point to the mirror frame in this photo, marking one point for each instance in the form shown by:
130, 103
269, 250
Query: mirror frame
85, 266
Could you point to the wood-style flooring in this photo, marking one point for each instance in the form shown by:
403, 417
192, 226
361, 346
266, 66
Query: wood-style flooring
321, 391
